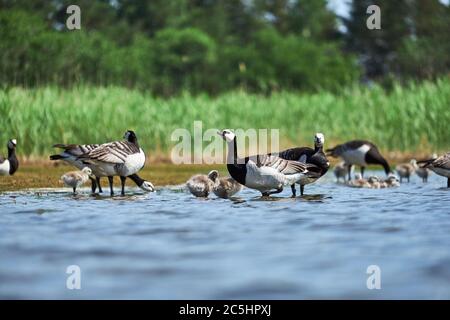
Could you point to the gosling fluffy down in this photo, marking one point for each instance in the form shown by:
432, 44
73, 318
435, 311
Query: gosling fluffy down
76, 179
200, 185
224, 187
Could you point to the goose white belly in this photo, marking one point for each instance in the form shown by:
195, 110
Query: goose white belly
441, 171
133, 163
4, 168
267, 178
356, 156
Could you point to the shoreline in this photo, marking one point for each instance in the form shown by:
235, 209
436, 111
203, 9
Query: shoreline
37, 172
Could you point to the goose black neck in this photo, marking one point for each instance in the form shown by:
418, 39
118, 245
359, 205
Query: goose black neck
386, 167
13, 162
138, 180
236, 171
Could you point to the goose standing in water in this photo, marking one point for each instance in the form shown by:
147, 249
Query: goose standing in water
405, 170
440, 166
265, 173
76, 179
71, 154
201, 185
118, 158
308, 155
8, 166
360, 153
224, 187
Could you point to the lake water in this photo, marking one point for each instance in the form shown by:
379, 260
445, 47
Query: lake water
170, 245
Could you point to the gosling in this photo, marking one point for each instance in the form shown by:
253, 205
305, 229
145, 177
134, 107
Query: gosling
340, 171
200, 185
422, 172
359, 182
405, 170
224, 187
390, 182
76, 179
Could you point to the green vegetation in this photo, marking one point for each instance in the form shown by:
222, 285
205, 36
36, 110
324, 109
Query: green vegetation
407, 118
217, 46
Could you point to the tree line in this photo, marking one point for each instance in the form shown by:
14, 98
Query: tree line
212, 46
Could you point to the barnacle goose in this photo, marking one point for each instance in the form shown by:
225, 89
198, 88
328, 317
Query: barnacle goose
266, 173
8, 166
76, 179
201, 185
307, 155
440, 166
360, 153
118, 158
72, 154
224, 187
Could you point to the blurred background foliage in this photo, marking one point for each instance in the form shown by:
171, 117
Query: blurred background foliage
214, 46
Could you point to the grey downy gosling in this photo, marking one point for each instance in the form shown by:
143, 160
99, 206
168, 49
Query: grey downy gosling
406, 170
224, 187
200, 185
75, 179
340, 171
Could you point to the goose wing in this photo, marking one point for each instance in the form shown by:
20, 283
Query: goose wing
296, 154
281, 165
76, 149
442, 161
113, 152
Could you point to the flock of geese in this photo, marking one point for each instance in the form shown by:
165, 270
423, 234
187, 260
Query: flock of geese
267, 173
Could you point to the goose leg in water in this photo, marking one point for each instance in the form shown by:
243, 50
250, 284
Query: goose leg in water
93, 185
448, 183
349, 172
99, 185
122, 180
302, 189
362, 171
293, 190
74, 190
111, 188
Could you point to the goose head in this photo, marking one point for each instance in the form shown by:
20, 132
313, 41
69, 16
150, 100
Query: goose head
227, 135
319, 140
213, 175
12, 144
130, 136
88, 171
147, 186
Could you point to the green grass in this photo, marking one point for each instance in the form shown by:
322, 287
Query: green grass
411, 118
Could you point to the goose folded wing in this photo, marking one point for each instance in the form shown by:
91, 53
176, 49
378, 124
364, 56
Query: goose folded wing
443, 161
76, 149
281, 165
115, 153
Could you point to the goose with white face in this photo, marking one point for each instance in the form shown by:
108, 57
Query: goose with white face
9, 165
